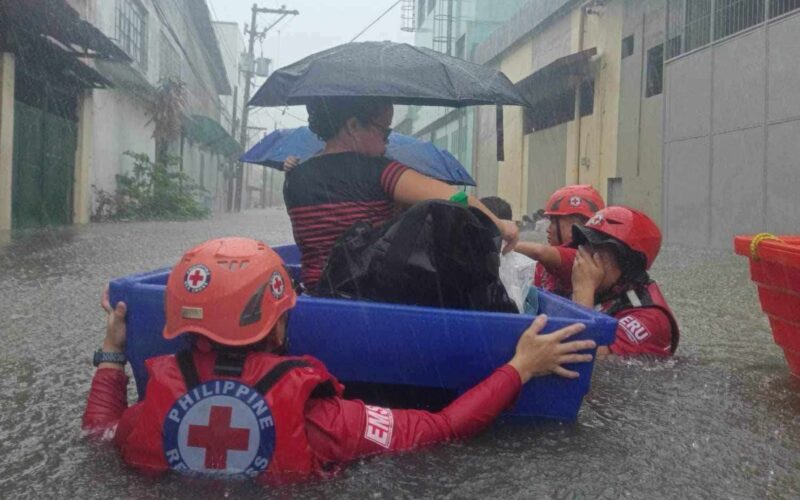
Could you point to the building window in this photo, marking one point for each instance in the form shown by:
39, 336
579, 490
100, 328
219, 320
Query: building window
627, 46
431, 5
132, 30
169, 63
420, 12
698, 24
655, 71
688, 25
674, 28
689, 21
781, 7
732, 16
559, 109
461, 47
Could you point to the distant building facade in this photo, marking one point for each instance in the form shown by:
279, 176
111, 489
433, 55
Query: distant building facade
452, 27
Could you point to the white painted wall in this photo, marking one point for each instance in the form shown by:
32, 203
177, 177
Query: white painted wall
120, 124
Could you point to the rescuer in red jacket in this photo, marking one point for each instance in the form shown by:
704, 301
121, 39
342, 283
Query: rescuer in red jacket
616, 247
232, 405
567, 206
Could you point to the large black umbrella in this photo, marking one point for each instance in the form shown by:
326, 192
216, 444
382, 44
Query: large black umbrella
401, 72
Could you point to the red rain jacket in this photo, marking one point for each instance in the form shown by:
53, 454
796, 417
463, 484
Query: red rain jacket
646, 322
307, 429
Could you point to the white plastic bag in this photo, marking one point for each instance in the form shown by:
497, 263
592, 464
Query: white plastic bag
516, 273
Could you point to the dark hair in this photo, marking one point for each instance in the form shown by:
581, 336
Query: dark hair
499, 207
631, 263
327, 115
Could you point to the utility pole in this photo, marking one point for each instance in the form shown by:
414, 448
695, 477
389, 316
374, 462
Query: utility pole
231, 181
252, 30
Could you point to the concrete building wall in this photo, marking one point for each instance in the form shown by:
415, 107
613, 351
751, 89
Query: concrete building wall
512, 175
547, 155
547, 149
231, 46
597, 158
639, 157
733, 117
120, 125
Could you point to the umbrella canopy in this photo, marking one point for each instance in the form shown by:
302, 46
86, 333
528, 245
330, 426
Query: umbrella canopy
422, 156
398, 71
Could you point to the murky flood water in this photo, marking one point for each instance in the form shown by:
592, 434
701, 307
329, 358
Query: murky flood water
721, 420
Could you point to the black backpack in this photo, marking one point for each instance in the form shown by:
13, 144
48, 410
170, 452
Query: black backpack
437, 253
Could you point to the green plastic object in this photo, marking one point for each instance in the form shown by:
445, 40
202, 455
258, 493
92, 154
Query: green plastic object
460, 197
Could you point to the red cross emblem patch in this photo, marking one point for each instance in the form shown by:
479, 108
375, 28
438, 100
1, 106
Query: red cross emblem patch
596, 220
220, 427
277, 285
575, 201
197, 278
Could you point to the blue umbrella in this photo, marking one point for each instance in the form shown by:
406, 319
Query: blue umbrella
422, 156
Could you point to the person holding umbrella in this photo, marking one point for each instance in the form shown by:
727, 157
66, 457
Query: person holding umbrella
349, 91
351, 181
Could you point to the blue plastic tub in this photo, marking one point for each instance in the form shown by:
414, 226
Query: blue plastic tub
368, 342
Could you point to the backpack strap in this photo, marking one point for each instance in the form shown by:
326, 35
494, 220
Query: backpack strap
192, 379
278, 371
188, 369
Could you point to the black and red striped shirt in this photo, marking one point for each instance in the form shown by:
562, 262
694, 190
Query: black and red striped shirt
327, 194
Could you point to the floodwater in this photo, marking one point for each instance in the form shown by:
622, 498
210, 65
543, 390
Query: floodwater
720, 420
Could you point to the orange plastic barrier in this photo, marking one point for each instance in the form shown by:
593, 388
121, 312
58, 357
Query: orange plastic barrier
775, 268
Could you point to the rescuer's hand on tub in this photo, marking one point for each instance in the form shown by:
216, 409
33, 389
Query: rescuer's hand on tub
232, 405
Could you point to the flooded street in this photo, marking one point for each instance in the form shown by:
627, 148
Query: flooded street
720, 420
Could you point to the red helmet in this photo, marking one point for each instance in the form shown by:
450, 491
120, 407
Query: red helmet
578, 199
231, 290
632, 228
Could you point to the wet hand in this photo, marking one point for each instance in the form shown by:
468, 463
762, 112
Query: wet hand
541, 354
290, 162
588, 271
115, 324
510, 234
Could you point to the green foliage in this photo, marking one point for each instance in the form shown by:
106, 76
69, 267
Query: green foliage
151, 191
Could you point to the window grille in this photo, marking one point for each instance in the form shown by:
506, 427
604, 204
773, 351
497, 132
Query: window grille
408, 20
675, 28
169, 61
132, 30
698, 24
689, 21
732, 16
781, 7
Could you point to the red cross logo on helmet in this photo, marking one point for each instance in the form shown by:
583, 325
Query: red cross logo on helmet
197, 278
596, 220
277, 285
575, 201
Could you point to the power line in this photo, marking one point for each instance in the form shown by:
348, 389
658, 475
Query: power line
370, 25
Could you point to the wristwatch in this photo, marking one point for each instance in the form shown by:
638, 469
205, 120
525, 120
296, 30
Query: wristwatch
109, 357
